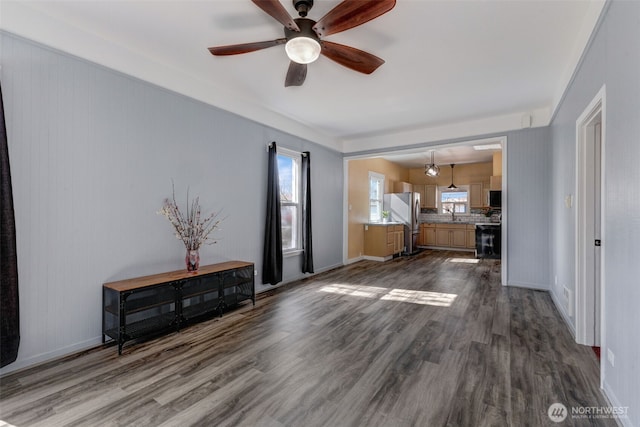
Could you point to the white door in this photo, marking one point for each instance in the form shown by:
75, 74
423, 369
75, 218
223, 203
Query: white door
597, 202
589, 256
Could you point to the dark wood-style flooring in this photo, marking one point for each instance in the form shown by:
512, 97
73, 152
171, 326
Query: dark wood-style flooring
431, 340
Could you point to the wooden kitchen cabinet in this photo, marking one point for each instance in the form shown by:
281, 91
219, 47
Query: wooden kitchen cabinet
448, 235
476, 199
451, 235
443, 237
458, 238
398, 238
471, 236
383, 240
430, 236
427, 234
402, 187
495, 183
429, 197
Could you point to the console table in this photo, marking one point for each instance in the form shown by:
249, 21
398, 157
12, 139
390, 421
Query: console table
151, 305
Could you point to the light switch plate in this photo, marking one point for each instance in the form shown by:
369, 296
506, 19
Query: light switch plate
568, 201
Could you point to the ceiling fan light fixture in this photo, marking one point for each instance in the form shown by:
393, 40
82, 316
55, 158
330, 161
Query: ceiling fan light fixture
302, 36
303, 50
303, 7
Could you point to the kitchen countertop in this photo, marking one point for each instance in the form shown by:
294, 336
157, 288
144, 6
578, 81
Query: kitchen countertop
434, 222
460, 222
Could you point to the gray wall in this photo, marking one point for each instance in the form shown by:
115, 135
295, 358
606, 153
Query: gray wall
93, 153
528, 185
613, 59
527, 197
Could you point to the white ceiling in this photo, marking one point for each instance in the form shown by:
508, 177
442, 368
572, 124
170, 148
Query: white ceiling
454, 68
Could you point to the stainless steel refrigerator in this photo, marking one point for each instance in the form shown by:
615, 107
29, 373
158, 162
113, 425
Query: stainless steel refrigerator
405, 208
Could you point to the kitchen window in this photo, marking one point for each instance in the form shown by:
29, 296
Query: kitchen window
289, 177
376, 191
454, 200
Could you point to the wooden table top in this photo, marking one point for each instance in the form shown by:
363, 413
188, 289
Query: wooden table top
171, 276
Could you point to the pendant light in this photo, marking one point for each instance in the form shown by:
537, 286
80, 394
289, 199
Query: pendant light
452, 186
432, 170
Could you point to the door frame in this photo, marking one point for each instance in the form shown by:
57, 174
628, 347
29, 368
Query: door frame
585, 289
501, 139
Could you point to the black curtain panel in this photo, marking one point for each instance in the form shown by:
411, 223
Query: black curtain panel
272, 258
307, 257
9, 308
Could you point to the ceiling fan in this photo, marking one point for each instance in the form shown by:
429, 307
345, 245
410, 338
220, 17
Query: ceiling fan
302, 36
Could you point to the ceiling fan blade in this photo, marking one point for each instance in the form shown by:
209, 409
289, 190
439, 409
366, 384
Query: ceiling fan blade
351, 57
351, 13
296, 74
235, 49
277, 12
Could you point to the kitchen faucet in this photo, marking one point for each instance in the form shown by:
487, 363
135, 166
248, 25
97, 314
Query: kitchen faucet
453, 214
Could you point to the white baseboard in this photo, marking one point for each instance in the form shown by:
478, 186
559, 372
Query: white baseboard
377, 258
48, 356
300, 277
535, 286
353, 260
368, 258
323, 269
563, 312
441, 248
613, 400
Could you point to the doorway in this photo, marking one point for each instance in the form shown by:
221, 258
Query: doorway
590, 144
355, 205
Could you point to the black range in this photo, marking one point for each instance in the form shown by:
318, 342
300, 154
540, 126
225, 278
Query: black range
488, 240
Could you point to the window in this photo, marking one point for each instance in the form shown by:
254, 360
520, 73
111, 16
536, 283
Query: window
376, 190
454, 201
289, 177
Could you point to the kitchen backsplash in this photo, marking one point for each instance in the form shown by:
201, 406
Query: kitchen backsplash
472, 218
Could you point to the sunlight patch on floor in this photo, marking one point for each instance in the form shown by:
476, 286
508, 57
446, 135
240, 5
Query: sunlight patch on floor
421, 297
464, 260
355, 290
439, 299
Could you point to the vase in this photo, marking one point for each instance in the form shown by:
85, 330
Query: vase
192, 259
